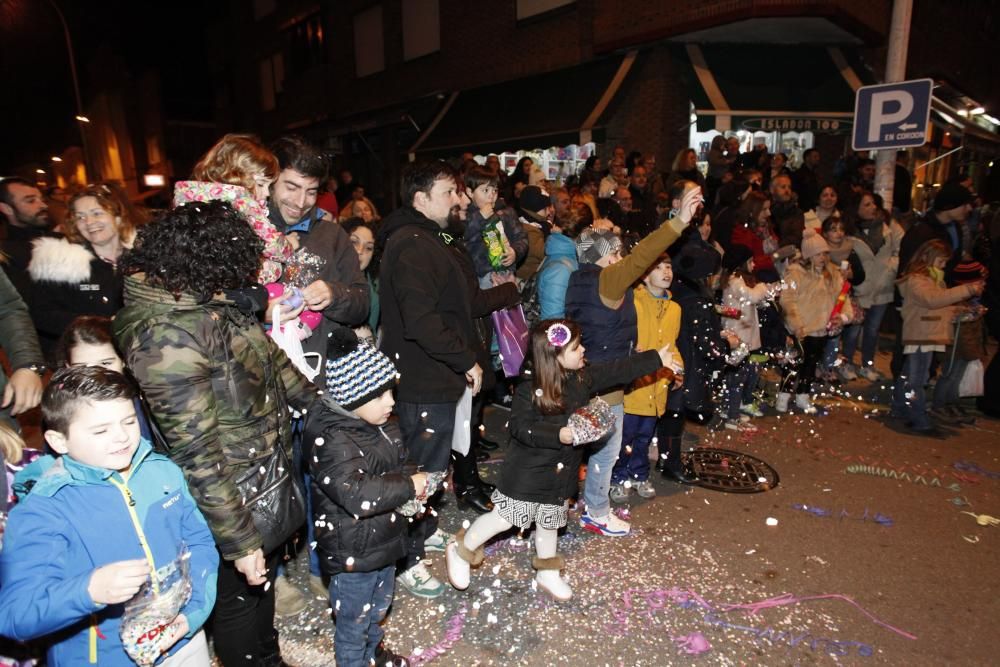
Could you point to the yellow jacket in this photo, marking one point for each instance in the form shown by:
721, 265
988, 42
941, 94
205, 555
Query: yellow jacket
659, 322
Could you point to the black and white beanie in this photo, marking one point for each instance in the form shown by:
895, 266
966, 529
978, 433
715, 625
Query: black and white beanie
356, 372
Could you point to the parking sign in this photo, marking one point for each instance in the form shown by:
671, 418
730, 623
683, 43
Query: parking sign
892, 115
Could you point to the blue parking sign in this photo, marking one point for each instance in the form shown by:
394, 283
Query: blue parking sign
892, 115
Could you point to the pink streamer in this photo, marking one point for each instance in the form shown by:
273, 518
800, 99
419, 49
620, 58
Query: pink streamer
455, 626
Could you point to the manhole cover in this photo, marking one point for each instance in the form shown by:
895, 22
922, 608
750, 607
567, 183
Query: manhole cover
732, 472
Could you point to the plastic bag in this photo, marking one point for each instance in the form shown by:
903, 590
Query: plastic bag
591, 422
972, 380
512, 338
154, 607
496, 242
288, 339
461, 439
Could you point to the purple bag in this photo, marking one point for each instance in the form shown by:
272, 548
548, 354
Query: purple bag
512, 338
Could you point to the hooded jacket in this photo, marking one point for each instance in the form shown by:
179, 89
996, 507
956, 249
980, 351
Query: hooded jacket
476, 246
553, 276
357, 484
659, 323
426, 312
219, 389
59, 534
539, 468
880, 268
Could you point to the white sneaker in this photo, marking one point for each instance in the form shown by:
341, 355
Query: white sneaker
459, 569
741, 426
869, 373
620, 492
438, 541
553, 584
609, 525
846, 371
418, 581
645, 489
752, 410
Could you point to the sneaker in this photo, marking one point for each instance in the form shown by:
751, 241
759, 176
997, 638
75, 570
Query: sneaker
620, 492
437, 542
869, 373
645, 489
804, 403
740, 426
318, 587
846, 371
752, 410
288, 599
609, 525
419, 582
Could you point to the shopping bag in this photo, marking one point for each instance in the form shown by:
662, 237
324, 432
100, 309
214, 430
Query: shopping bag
461, 435
512, 338
972, 379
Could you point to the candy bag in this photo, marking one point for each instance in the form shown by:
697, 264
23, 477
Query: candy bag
496, 242
416, 505
591, 422
154, 607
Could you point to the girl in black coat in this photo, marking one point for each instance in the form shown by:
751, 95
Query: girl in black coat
540, 473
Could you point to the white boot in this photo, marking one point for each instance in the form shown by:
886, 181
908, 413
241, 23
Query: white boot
460, 561
548, 578
781, 402
803, 403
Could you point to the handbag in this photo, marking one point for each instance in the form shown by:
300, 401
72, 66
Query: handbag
275, 497
512, 338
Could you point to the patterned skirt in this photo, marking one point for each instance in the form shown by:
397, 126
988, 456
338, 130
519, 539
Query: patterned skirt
522, 513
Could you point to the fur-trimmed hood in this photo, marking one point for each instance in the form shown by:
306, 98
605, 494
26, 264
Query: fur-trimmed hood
57, 260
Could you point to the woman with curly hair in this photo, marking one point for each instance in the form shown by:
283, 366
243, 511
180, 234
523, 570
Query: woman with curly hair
220, 391
239, 170
360, 208
77, 275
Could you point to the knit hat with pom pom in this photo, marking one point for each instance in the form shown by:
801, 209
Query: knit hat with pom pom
356, 372
813, 244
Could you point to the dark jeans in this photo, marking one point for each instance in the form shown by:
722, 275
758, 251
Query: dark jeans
633, 459
952, 370
243, 619
909, 400
360, 601
740, 382
427, 429
867, 331
670, 431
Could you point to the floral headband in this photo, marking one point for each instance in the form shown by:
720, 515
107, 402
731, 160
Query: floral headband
558, 334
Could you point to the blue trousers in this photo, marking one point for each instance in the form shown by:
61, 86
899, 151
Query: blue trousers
867, 331
360, 602
633, 460
601, 465
909, 401
740, 382
946, 389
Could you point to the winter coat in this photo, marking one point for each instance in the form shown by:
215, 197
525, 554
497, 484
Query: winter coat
476, 246
357, 484
276, 246
659, 323
880, 268
929, 310
68, 280
16, 243
738, 295
350, 305
17, 334
77, 518
538, 467
763, 262
809, 298
219, 389
700, 342
535, 236
553, 277
426, 313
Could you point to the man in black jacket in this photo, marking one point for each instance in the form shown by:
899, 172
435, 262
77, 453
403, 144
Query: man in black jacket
27, 218
428, 333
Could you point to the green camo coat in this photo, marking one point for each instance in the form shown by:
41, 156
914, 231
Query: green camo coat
219, 389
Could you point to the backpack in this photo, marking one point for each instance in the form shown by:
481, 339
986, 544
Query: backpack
529, 294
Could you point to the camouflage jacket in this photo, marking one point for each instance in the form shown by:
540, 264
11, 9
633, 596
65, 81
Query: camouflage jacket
219, 389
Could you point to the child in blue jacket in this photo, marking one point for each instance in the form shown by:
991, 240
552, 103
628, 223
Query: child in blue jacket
93, 527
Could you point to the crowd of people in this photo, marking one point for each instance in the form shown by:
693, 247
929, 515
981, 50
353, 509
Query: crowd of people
270, 357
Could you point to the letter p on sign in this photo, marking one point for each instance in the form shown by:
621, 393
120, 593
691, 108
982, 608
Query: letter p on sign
882, 103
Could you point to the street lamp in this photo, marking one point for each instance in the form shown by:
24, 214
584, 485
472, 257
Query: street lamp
56, 158
76, 90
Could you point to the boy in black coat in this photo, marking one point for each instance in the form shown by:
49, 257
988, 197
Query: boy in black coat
357, 485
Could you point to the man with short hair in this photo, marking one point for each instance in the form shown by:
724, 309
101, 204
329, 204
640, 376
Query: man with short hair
429, 335
789, 221
615, 178
805, 181
340, 292
27, 217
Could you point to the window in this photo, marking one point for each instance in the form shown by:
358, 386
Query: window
421, 28
304, 44
529, 8
272, 79
369, 50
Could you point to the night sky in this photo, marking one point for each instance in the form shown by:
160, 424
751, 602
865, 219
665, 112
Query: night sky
113, 41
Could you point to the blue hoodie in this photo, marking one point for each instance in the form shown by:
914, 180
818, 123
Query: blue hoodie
77, 518
553, 276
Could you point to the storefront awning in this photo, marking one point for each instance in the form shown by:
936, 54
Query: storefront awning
784, 88
567, 106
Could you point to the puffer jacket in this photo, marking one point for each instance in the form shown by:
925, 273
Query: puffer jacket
77, 518
880, 267
539, 468
929, 308
276, 246
219, 389
659, 323
553, 276
809, 298
357, 484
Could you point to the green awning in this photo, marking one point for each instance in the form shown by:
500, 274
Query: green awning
567, 106
771, 87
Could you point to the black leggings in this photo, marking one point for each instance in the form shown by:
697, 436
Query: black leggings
812, 353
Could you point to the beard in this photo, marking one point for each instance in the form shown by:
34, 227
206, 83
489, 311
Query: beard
39, 220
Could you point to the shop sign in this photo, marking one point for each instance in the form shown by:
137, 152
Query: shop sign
796, 124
